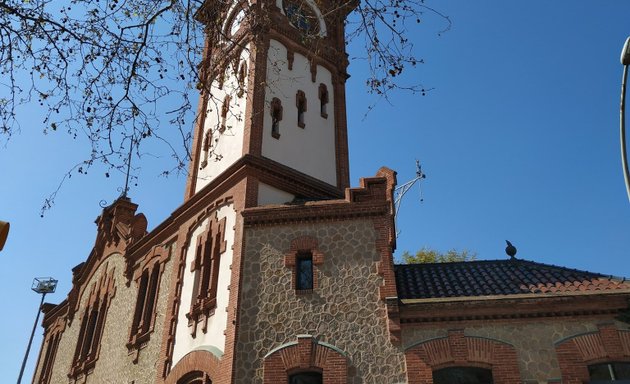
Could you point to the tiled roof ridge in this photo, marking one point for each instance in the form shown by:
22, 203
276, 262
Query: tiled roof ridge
515, 261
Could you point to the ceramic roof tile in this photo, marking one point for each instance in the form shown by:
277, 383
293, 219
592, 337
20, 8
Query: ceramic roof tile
497, 277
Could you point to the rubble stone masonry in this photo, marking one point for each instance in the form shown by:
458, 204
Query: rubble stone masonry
343, 311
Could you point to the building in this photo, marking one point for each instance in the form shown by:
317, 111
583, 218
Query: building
273, 270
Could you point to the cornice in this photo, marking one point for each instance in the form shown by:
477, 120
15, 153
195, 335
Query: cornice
511, 307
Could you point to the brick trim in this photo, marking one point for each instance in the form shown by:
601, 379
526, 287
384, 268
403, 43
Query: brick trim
140, 331
459, 350
576, 353
195, 361
301, 245
307, 354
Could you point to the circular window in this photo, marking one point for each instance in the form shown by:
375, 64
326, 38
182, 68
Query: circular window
301, 16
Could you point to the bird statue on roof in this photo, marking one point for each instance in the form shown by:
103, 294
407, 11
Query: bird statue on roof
510, 250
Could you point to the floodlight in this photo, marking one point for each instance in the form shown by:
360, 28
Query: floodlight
44, 285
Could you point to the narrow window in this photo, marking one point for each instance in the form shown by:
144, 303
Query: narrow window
323, 101
149, 307
304, 272
49, 358
306, 378
206, 148
142, 295
242, 73
224, 112
300, 102
276, 117
197, 266
205, 267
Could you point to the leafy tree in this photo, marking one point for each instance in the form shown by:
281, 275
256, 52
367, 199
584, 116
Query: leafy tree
428, 255
122, 73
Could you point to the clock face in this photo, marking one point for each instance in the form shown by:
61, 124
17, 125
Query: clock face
301, 16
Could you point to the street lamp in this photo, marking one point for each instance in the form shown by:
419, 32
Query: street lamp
625, 61
41, 285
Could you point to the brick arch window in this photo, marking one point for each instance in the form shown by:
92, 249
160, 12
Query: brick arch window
304, 360
195, 377
587, 354
92, 324
52, 346
148, 282
304, 259
462, 375
205, 266
276, 117
323, 101
609, 372
194, 368
300, 103
306, 378
458, 350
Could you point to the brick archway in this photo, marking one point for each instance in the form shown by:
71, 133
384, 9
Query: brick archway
307, 354
196, 361
460, 350
576, 353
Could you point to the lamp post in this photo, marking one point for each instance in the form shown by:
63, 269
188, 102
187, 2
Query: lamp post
41, 285
625, 61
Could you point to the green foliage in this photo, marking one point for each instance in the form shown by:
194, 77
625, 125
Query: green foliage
427, 255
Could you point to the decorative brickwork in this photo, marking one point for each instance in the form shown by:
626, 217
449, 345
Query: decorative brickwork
148, 278
460, 350
346, 310
304, 244
575, 354
195, 364
302, 356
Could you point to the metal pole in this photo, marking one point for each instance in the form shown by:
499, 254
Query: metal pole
622, 130
30, 341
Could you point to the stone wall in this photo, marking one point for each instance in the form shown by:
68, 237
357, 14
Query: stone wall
344, 311
534, 340
115, 364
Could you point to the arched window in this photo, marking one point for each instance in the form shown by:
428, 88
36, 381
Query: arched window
306, 378
224, 112
195, 377
462, 375
300, 102
242, 73
323, 101
276, 117
609, 373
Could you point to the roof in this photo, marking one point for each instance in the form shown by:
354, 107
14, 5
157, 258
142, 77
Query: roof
496, 278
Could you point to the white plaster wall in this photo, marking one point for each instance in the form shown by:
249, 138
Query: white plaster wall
227, 147
184, 343
271, 195
311, 149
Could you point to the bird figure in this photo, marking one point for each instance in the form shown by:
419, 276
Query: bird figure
510, 250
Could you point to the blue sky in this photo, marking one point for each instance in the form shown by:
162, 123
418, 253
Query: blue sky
519, 140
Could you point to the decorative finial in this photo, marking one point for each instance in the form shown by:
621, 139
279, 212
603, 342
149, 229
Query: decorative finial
510, 250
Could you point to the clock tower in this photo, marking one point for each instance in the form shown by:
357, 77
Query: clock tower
273, 99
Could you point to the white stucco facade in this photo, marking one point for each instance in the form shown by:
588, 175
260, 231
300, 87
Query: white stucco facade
310, 149
268, 195
225, 146
214, 335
